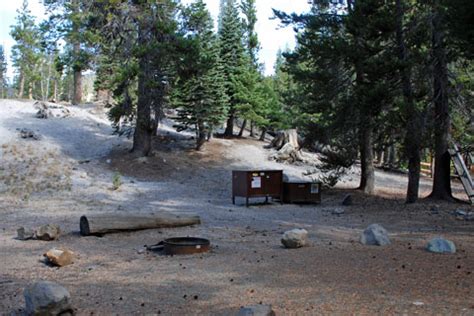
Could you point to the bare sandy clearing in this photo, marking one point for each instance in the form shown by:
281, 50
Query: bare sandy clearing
247, 265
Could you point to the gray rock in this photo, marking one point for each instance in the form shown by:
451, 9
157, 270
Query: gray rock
27, 133
256, 310
338, 211
47, 298
469, 216
435, 209
376, 235
48, 232
347, 200
43, 114
295, 238
463, 215
441, 245
25, 233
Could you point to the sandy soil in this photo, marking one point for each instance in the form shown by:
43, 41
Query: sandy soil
78, 157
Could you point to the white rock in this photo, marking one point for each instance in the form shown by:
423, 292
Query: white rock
338, 211
295, 238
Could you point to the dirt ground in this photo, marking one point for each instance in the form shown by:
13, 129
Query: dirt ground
247, 265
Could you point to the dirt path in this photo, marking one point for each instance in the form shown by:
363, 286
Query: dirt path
336, 275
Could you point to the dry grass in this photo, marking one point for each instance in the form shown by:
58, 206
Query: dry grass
28, 169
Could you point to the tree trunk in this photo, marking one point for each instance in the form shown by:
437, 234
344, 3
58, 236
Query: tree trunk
76, 51
55, 90
262, 135
110, 223
201, 135
229, 130
367, 176
381, 157
144, 126
441, 178
30, 91
392, 157
21, 90
77, 96
244, 124
252, 129
414, 128
48, 80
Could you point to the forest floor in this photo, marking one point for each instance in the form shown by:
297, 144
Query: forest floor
68, 173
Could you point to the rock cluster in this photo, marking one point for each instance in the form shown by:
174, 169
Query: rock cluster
46, 232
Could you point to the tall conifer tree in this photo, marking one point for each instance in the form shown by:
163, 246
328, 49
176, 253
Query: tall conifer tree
232, 54
25, 52
3, 74
199, 93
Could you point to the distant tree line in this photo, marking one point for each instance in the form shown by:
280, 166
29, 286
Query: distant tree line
395, 77
386, 82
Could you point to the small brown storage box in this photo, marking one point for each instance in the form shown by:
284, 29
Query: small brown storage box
302, 192
257, 183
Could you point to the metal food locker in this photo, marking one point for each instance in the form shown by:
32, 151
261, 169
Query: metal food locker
257, 184
301, 192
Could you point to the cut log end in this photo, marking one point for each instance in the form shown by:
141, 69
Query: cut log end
84, 226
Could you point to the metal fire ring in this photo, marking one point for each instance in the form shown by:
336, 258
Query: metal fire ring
182, 245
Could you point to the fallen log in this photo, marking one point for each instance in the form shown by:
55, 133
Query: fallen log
112, 223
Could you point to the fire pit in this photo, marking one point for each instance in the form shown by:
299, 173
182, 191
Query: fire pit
182, 245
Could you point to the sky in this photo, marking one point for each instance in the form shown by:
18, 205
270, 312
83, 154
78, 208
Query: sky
271, 36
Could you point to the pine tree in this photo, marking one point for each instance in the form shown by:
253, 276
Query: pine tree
25, 53
70, 20
343, 67
252, 45
232, 54
442, 170
3, 74
142, 41
249, 10
200, 96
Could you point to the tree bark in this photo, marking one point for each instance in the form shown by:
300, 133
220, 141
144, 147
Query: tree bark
201, 135
76, 50
103, 224
242, 129
441, 178
262, 135
414, 128
367, 176
144, 125
55, 90
30, 91
77, 94
252, 129
229, 130
21, 90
